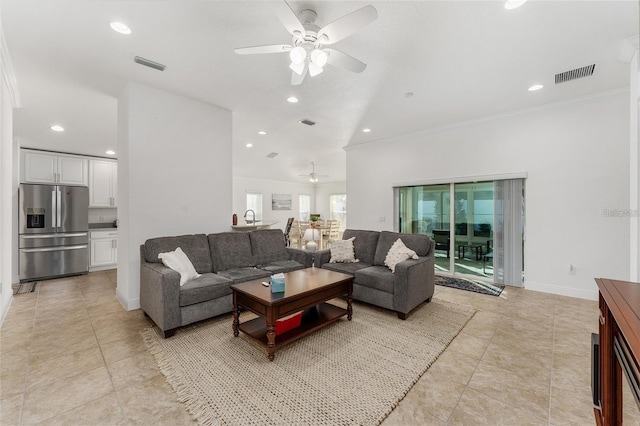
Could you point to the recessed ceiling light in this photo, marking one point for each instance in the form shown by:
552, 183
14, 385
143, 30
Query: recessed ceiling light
57, 128
514, 4
292, 99
535, 87
110, 152
121, 28
249, 145
262, 132
366, 130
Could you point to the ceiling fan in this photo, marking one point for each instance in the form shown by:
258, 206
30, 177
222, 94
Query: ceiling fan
307, 50
313, 176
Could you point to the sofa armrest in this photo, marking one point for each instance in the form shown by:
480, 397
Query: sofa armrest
414, 283
160, 294
321, 257
301, 256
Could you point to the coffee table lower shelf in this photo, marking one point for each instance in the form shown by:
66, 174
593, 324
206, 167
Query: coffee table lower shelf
326, 314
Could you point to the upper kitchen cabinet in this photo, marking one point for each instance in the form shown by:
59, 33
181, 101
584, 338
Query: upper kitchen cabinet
48, 167
103, 183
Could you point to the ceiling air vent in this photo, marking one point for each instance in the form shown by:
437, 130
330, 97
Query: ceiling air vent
575, 74
148, 63
272, 154
308, 122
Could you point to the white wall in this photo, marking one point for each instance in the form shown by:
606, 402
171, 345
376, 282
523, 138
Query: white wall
174, 174
576, 155
323, 192
8, 181
242, 185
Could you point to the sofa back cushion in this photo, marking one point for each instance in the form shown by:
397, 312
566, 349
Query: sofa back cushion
230, 250
364, 245
419, 243
196, 247
267, 245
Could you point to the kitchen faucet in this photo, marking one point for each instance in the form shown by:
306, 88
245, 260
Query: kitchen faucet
254, 216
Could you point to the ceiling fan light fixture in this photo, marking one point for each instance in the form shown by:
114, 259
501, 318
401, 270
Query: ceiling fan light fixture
319, 57
314, 69
297, 68
297, 55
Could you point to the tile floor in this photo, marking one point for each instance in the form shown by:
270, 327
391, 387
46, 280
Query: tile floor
70, 354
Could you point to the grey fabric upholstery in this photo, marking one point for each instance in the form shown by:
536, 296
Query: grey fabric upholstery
364, 245
346, 268
194, 246
238, 275
267, 245
411, 284
223, 259
230, 250
206, 287
416, 242
279, 266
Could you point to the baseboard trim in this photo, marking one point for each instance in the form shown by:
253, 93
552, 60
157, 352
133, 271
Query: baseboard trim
129, 305
562, 291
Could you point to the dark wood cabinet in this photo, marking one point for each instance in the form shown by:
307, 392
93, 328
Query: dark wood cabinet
619, 303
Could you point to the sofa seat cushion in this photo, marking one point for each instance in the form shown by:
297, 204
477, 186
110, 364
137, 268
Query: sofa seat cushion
206, 287
238, 275
281, 266
196, 247
378, 277
346, 268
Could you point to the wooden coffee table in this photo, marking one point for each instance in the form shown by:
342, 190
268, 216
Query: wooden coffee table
305, 289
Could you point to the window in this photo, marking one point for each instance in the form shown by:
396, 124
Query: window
304, 207
254, 202
338, 209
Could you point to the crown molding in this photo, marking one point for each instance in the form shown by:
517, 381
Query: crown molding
408, 137
630, 46
8, 75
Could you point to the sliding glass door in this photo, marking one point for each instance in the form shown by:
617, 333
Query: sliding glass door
427, 210
473, 228
463, 219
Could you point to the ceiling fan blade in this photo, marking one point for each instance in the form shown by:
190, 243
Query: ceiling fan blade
272, 48
342, 60
289, 18
297, 79
347, 25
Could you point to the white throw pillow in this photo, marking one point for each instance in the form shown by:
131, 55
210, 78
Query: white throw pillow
342, 251
397, 253
179, 262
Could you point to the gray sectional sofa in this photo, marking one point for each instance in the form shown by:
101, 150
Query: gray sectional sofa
374, 283
222, 259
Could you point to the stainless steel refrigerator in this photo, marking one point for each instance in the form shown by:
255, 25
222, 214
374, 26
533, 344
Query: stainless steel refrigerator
54, 231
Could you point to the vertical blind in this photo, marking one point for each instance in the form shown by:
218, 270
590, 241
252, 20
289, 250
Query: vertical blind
508, 236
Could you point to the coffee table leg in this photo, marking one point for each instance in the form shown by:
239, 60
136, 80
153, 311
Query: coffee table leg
236, 320
349, 308
271, 341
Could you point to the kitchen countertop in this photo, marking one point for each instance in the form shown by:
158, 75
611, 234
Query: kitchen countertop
106, 225
264, 224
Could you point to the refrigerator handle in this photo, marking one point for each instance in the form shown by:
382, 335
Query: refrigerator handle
58, 208
53, 209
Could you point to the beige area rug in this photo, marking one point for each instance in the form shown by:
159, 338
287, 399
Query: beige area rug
348, 373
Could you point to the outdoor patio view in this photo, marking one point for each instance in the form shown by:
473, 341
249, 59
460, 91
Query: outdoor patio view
467, 247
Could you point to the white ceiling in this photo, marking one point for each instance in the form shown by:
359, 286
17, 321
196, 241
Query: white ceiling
461, 59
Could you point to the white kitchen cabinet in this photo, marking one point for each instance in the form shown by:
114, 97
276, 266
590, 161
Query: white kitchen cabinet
103, 183
104, 250
45, 167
